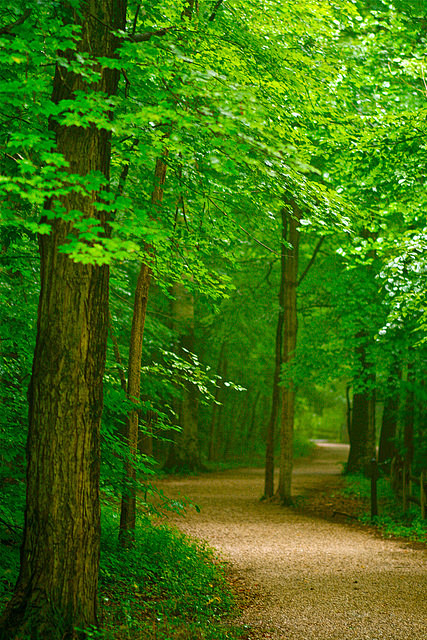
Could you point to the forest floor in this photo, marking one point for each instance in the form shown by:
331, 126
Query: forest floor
307, 573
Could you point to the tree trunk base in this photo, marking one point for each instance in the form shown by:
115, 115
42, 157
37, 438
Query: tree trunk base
38, 620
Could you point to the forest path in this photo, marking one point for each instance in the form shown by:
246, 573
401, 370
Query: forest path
308, 578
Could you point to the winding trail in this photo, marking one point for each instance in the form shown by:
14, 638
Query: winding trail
310, 579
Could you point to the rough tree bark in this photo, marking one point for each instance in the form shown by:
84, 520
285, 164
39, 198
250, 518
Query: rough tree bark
289, 346
57, 585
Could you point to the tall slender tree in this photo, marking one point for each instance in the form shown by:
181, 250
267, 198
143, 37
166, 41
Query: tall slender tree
130, 428
291, 217
276, 392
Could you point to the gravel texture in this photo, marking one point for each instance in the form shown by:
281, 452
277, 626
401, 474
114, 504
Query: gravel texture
307, 578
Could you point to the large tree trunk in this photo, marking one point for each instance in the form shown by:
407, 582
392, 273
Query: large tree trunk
57, 584
276, 393
289, 346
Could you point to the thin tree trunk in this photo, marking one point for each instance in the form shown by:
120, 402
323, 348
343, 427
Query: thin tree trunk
362, 433
184, 450
130, 434
237, 441
388, 431
276, 393
219, 453
409, 417
349, 410
130, 430
145, 442
289, 346
387, 446
234, 417
58, 579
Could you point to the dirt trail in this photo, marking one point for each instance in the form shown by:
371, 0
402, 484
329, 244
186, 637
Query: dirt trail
311, 579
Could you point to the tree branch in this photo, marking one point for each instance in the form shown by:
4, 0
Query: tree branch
15, 528
12, 25
312, 259
243, 229
143, 37
135, 19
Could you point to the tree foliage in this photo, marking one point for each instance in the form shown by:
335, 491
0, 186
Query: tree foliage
241, 106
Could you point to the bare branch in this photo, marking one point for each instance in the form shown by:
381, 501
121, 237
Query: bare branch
15, 528
312, 259
12, 25
243, 229
135, 20
143, 37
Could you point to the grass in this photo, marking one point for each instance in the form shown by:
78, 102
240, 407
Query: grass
168, 587
392, 520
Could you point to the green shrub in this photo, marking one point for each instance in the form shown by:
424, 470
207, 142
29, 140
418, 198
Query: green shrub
166, 586
392, 520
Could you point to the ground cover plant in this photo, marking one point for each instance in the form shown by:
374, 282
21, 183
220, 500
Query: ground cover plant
165, 587
392, 520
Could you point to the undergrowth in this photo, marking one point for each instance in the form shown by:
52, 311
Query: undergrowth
303, 447
168, 587
392, 520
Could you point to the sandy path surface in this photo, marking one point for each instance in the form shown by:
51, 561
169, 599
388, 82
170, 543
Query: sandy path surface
312, 579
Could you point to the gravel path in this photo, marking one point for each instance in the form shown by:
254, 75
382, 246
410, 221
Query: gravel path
310, 579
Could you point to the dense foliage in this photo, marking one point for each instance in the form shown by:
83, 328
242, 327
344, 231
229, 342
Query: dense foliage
239, 107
